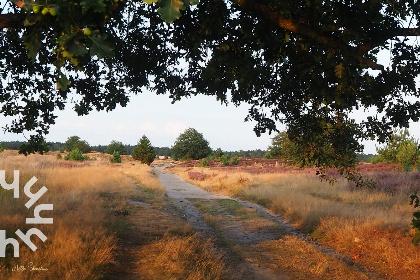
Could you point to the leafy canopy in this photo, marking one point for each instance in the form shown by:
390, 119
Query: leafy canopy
116, 146
74, 142
305, 63
402, 149
190, 145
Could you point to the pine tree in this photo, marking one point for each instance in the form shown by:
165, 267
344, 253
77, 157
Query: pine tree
144, 152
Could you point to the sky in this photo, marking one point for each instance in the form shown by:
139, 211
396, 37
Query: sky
162, 122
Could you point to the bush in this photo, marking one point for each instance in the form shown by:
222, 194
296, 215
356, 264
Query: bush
224, 159
144, 151
204, 163
59, 156
217, 153
1, 148
75, 154
401, 149
235, 160
116, 158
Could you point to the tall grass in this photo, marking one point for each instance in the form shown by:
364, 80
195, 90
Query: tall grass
367, 224
175, 257
82, 242
78, 243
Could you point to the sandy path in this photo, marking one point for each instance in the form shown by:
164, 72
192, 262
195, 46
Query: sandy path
180, 191
244, 236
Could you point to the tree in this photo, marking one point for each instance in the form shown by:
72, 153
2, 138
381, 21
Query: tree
190, 145
402, 149
116, 146
74, 142
144, 151
283, 148
304, 63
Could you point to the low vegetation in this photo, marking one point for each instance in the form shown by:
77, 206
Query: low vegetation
93, 213
371, 226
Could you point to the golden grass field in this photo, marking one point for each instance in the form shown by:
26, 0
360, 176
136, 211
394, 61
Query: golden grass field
371, 226
89, 239
83, 241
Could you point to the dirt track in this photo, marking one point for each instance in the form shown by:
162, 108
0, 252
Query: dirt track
182, 192
247, 233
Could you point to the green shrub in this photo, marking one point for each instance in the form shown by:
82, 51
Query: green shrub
268, 155
1, 148
217, 153
116, 158
75, 154
401, 148
59, 156
204, 163
235, 160
224, 159
74, 142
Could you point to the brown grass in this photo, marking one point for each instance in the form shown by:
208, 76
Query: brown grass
305, 261
78, 243
370, 226
144, 176
176, 257
82, 243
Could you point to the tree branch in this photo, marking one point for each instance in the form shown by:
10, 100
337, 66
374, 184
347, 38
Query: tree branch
305, 30
11, 20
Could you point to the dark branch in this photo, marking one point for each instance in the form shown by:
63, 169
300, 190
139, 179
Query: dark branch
306, 31
12, 20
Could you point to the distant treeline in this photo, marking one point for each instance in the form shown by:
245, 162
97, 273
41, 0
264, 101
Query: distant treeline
161, 151
58, 146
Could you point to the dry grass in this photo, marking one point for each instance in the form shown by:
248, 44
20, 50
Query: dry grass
82, 242
307, 262
78, 243
178, 257
338, 215
144, 176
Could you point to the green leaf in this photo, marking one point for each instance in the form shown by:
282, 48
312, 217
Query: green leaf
170, 9
97, 5
63, 83
100, 46
31, 19
77, 49
32, 43
191, 2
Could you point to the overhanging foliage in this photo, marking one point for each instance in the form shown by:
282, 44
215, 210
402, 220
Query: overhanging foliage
303, 63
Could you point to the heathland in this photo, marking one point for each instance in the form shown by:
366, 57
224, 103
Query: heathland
114, 221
